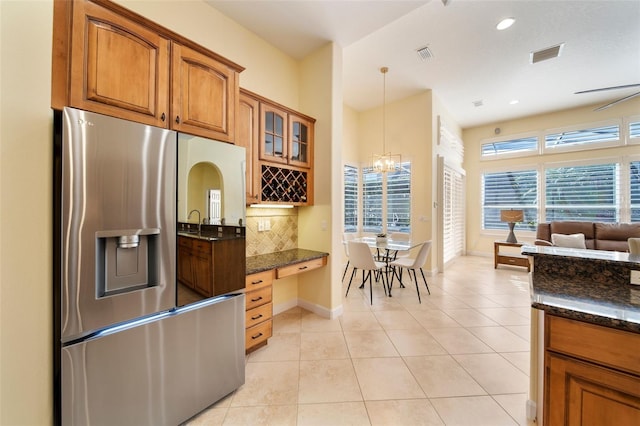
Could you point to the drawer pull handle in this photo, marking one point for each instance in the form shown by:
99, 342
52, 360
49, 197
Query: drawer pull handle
256, 317
256, 299
256, 282
302, 267
256, 336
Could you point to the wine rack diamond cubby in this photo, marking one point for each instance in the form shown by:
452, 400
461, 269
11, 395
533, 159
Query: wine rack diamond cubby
284, 185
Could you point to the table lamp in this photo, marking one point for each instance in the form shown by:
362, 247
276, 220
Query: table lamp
511, 216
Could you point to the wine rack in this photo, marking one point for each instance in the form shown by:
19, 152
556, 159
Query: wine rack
284, 185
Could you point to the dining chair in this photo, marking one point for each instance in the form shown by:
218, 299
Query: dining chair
346, 237
401, 236
360, 257
411, 265
634, 245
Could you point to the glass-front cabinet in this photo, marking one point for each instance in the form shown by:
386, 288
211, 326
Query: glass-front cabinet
274, 142
285, 137
300, 135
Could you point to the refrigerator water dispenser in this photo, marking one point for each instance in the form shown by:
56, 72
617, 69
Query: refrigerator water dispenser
126, 261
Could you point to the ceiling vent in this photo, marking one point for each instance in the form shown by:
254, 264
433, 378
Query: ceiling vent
478, 103
548, 53
424, 53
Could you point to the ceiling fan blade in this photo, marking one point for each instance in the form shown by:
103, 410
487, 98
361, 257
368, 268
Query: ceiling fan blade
617, 101
626, 86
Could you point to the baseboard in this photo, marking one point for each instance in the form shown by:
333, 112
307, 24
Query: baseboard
311, 307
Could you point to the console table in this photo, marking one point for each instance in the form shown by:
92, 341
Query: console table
513, 259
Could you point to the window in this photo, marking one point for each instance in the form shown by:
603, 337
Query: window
513, 146
634, 186
576, 138
509, 190
371, 201
634, 130
399, 199
386, 200
587, 193
350, 198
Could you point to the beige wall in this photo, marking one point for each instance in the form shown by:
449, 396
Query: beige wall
410, 132
25, 213
479, 242
25, 173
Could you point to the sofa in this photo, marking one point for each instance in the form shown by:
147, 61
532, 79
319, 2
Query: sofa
597, 235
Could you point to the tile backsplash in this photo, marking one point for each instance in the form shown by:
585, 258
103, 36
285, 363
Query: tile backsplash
271, 230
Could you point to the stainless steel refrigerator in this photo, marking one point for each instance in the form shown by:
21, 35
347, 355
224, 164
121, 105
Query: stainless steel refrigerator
125, 354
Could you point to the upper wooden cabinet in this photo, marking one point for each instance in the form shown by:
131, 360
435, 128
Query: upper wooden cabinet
204, 94
286, 137
279, 144
109, 60
300, 141
274, 144
247, 133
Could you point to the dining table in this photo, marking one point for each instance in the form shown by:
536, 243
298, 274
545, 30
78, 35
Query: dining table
387, 250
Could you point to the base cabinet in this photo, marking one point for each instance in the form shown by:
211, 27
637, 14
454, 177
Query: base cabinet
211, 268
259, 310
592, 374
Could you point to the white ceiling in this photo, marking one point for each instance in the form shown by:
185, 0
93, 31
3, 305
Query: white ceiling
471, 61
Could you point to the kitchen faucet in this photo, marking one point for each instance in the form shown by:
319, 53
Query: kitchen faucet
189, 217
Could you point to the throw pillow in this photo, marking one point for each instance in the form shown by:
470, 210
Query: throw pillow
569, 241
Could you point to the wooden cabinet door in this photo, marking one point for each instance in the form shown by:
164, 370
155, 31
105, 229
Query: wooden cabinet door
204, 95
201, 264
118, 67
273, 134
300, 141
185, 273
229, 265
247, 135
584, 394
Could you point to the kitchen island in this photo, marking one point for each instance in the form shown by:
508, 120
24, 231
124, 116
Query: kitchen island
590, 340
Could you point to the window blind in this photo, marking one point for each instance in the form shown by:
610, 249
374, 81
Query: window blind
587, 193
371, 201
516, 189
522, 145
350, 198
453, 214
634, 189
399, 199
583, 137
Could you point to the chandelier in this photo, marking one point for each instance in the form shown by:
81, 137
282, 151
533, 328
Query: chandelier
385, 162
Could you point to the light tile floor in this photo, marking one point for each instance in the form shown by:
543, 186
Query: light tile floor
461, 357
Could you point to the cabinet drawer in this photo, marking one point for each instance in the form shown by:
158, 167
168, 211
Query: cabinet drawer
259, 280
258, 297
257, 315
184, 242
203, 247
258, 334
300, 267
606, 346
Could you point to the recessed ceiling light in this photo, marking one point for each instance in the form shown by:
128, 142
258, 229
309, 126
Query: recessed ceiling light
513, 102
505, 23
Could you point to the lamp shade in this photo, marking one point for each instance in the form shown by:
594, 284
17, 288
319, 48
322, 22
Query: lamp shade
511, 215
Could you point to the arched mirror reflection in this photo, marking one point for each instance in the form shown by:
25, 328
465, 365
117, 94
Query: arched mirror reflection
211, 181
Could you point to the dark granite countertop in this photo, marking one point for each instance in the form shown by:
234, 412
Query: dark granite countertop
209, 237
264, 262
586, 285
